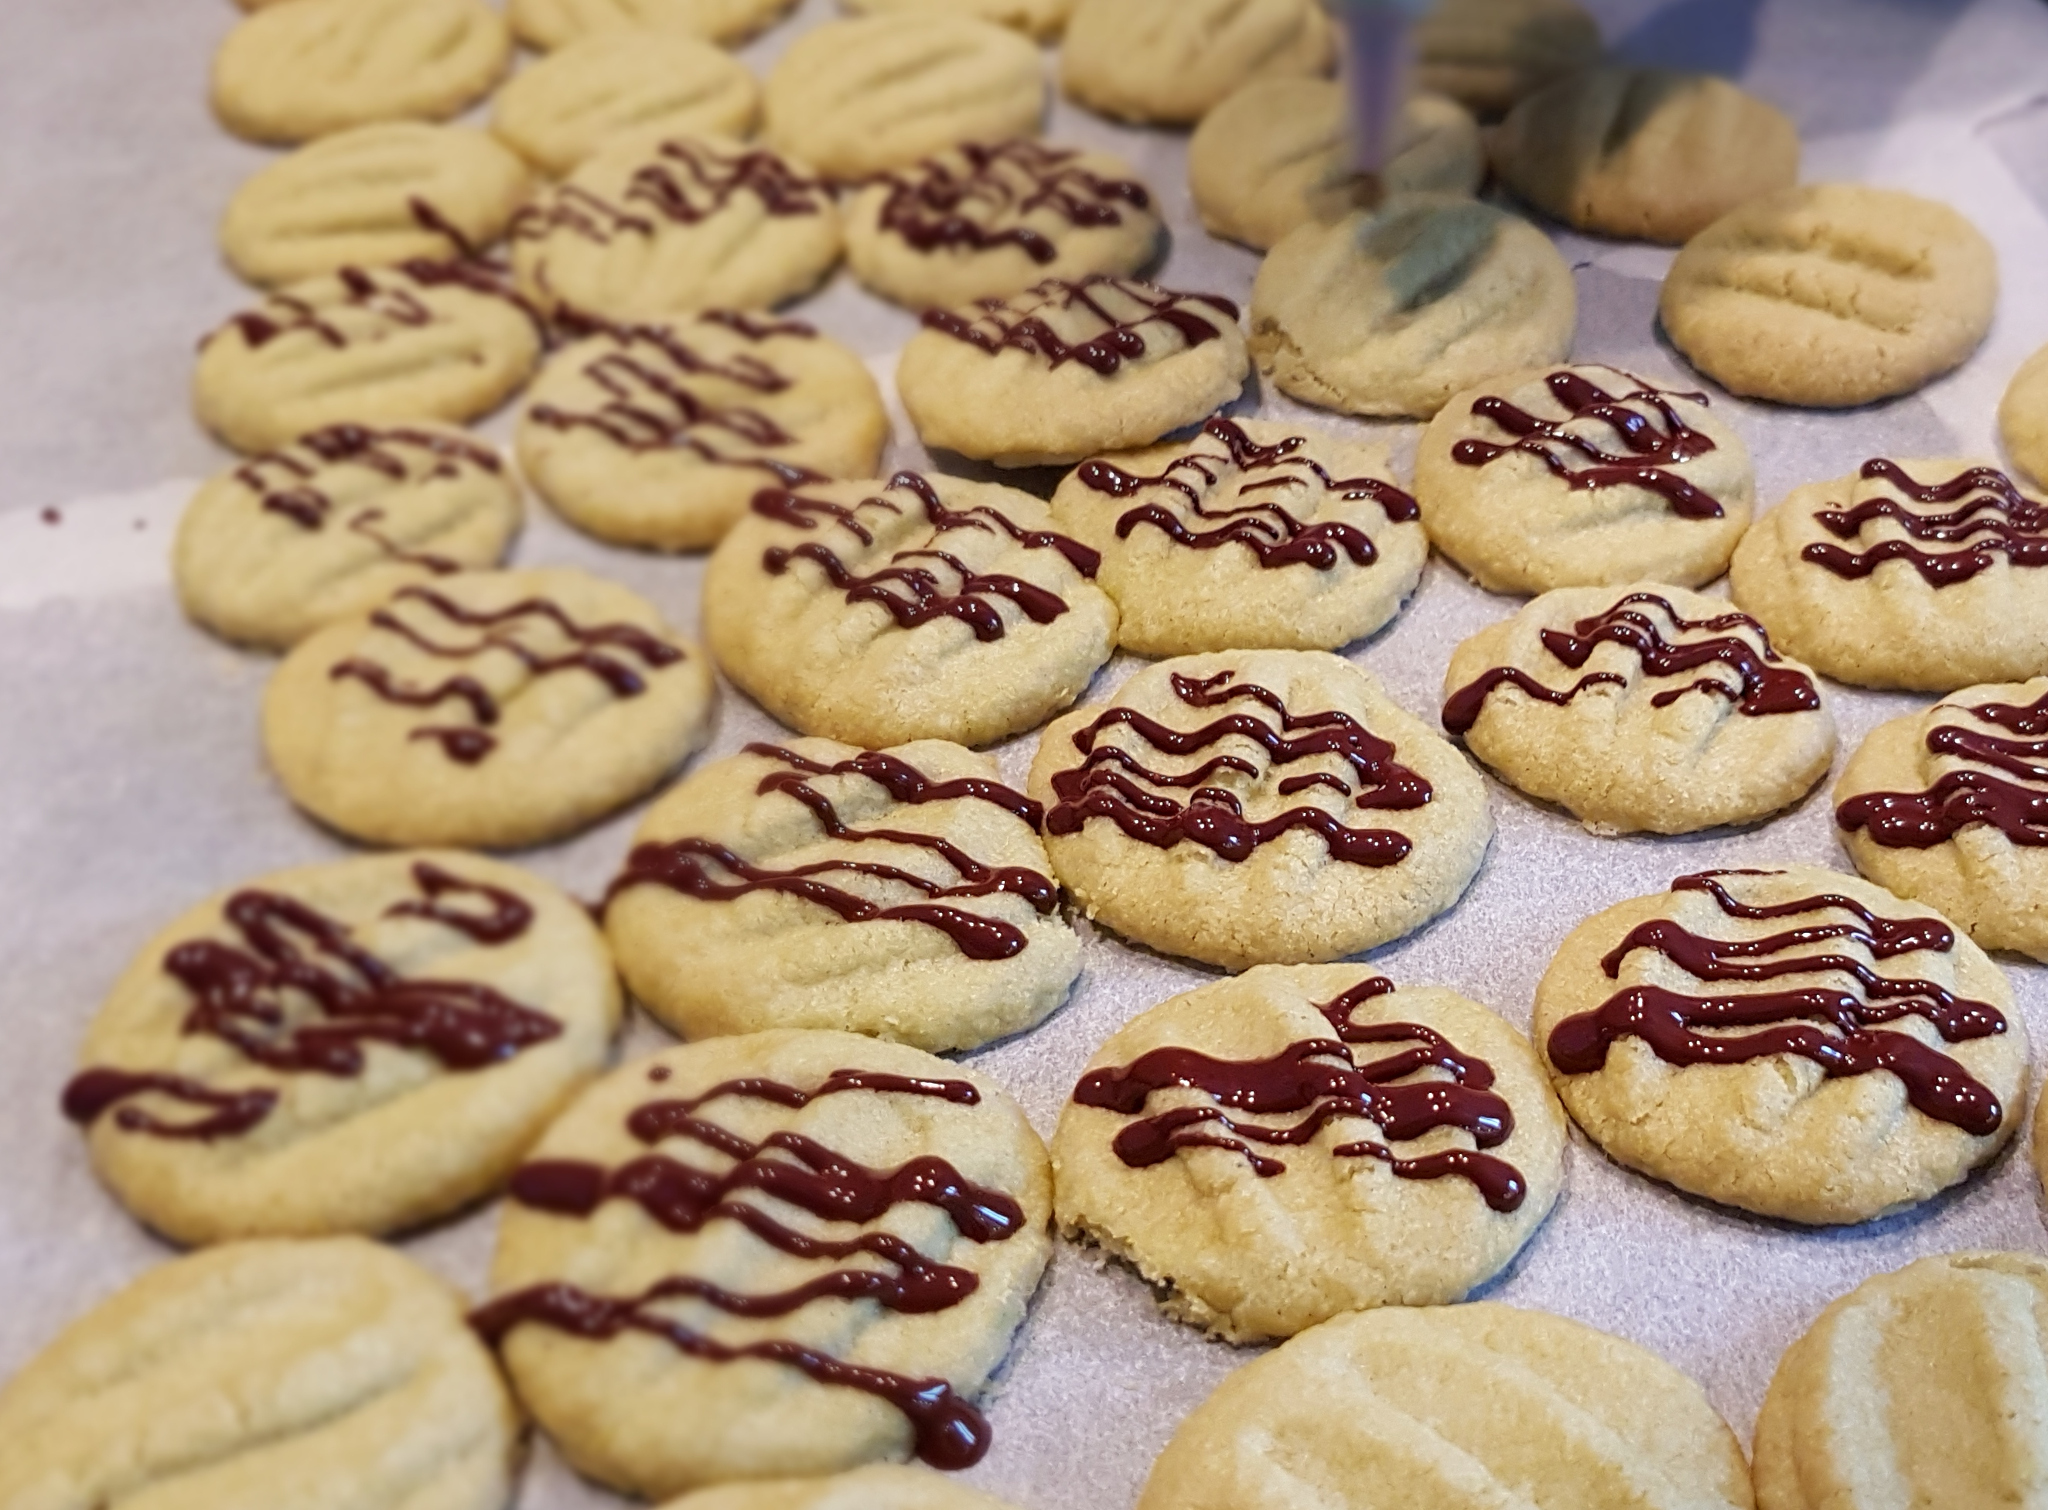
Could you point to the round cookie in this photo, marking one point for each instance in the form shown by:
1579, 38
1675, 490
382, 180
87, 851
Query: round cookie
1650, 154
879, 1486
1487, 54
1919, 574
1950, 807
1277, 155
568, 105
263, 1376
293, 72
1390, 313
1035, 18
640, 1280
1640, 708
658, 435
1068, 370
918, 608
900, 893
377, 194
1170, 62
1792, 1041
490, 710
656, 225
984, 220
1461, 1405
1831, 295
1583, 477
2023, 418
1915, 1388
1253, 535
1258, 807
548, 24
1406, 1146
335, 523
418, 340
360, 1046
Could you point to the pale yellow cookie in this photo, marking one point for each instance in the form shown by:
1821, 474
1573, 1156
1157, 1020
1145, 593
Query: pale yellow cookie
1172, 61
879, 1486
902, 893
549, 24
1258, 807
813, 1247
2023, 418
1036, 18
1489, 53
1392, 312
1253, 535
1789, 1040
336, 522
490, 709
917, 608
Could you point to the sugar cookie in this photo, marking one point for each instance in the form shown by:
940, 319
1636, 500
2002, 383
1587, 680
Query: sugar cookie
1487, 54
1035, 18
2023, 418
549, 24
1173, 61
879, 1486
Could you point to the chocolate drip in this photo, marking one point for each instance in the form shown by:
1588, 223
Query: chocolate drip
903, 781
978, 196
390, 295
428, 217
509, 917
282, 480
686, 183
995, 325
91, 1092
1959, 799
2021, 534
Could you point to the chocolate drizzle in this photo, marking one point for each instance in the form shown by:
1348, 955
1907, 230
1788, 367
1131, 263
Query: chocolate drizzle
978, 197
1797, 1021
685, 183
2004, 783
1117, 310
390, 296
1997, 519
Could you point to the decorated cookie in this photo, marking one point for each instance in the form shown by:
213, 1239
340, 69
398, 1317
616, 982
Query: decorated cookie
1362, 1145
2023, 418
417, 340
1831, 295
658, 435
1489, 53
1583, 476
879, 1486
1036, 18
1644, 707
1253, 535
917, 608
902, 893
334, 524
1950, 807
1068, 370
662, 1260
1394, 311
548, 24
1258, 807
353, 1047
491, 709
1796, 1042
265, 1376
1172, 61
1922, 574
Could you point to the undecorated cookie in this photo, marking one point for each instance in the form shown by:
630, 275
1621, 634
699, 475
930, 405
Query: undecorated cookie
1036, 18
549, 24
879, 1486
813, 1247
919, 608
1643, 708
1391, 313
1172, 61
901, 893
2023, 418
1487, 54
1831, 295
1793, 1041
1258, 807
1253, 535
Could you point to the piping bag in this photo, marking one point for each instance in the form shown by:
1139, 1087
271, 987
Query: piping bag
1376, 54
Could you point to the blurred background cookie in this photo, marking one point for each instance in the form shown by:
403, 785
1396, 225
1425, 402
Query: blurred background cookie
1487, 54
1170, 62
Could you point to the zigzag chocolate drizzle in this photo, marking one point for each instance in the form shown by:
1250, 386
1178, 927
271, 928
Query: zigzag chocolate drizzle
1998, 519
2005, 785
978, 195
1017, 324
686, 183
387, 293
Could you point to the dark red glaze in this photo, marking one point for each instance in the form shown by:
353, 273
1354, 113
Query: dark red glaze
1998, 519
1960, 798
684, 183
389, 294
1013, 324
91, 1092
976, 198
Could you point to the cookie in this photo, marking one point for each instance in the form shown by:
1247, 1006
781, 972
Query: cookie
360, 1046
1035, 18
378, 194
1920, 574
1408, 1147
879, 1486
919, 608
264, 1376
1487, 54
1648, 154
1171, 62
414, 341
1465, 1405
489, 710
1831, 295
292, 72
2023, 418
658, 435
1950, 807
1277, 155
656, 225
901, 893
1792, 1041
1640, 708
334, 524
548, 24
1916, 1388
984, 220
1067, 370
560, 111
1258, 807
860, 97
1253, 535
1392, 312
1581, 477
790, 1350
